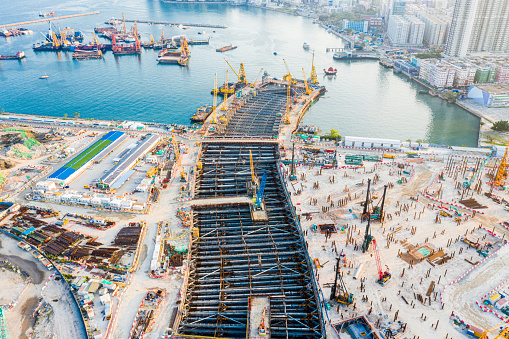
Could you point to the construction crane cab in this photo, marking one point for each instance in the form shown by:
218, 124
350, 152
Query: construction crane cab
338, 291
383, 276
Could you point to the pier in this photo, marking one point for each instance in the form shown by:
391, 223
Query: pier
154, 22
23, 23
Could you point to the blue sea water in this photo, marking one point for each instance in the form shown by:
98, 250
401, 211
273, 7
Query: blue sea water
363, 100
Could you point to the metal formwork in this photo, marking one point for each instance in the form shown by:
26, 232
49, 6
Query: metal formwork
233, 258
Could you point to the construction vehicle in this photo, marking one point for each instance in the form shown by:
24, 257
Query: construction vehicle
389, 156
383, 277
338, 291
445, 214
470, 243
149, 44
502, 169
504, 333
262, 330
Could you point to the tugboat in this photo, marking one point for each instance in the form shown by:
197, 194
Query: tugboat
330, 71
305, 45
46, 14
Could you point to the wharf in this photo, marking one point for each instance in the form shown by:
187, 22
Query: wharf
47, 19
154, 22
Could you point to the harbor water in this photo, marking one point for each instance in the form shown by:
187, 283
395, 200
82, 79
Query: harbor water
364, 99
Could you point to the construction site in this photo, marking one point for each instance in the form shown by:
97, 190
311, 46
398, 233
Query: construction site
243, 228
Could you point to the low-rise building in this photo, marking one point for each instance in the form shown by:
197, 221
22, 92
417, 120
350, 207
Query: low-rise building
436, 73
357, 26
491, 95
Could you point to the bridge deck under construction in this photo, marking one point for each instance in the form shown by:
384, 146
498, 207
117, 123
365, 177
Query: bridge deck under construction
232, 258
258, 115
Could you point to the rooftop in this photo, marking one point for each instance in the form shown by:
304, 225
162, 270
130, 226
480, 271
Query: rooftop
497, 89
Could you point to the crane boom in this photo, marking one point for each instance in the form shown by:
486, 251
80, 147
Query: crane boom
214, 103
287, 76
259, 196
308, 91
503, 333
226, 89
238, 76
96, 42
378, 262
501, 172
123, 20
253, 175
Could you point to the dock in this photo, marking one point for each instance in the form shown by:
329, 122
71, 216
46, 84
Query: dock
154, 22
15, 24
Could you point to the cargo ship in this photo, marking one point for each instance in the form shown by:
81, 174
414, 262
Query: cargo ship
147, 313
225, 48
202, 113
86, 55
17, 56
46, 14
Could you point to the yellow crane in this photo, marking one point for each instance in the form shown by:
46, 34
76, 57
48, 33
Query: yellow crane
308, 91
223, 108
253, 83
177, 157
503, 334
253, 175
96, 42
287, 76
55, 40
123, 20
313, 79
241, 76
152, 41
214, 103
288, 100
501, 172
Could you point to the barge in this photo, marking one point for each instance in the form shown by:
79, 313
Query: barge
86, 55
17, 56
202, 113
225, 48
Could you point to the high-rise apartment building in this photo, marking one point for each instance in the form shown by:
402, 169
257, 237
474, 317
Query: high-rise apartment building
398, 29
435, 31
479, 26
416, 31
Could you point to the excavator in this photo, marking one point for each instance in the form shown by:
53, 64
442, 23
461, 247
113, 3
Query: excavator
262, 330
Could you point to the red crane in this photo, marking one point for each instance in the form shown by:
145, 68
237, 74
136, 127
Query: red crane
383, 277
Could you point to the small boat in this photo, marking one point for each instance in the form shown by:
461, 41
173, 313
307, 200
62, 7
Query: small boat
305, 45
275, 53
44, 76
185, 27
330, 71
202, 32
113, 22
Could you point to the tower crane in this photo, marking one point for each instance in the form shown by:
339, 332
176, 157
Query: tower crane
288, 100
314, 80
214, 103
383, 277
502, 168
226, 87
338, 292
178, 158
241, 75
503, 334
308, 91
